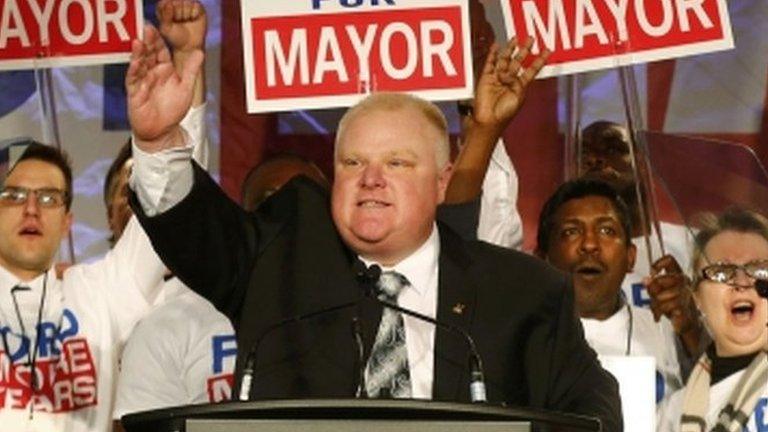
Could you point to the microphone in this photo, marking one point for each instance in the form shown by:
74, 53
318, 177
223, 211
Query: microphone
368, 277
250, 360
761, 286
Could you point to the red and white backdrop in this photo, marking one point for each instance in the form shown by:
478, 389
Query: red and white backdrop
721, 95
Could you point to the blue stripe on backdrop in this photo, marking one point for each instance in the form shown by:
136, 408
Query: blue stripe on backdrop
15, 87
115, 115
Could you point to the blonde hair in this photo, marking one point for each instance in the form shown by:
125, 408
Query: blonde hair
732, 219
386, 101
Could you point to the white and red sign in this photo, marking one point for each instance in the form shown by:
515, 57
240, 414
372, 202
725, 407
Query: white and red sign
588, 35
48, 33
304, 54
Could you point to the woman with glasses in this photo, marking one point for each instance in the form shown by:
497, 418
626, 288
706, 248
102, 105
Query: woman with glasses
728, 388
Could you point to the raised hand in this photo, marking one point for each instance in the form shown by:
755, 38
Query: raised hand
499, 94
183, 23
503, 82
158, 95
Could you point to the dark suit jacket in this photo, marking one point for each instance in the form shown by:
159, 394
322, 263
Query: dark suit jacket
288, 260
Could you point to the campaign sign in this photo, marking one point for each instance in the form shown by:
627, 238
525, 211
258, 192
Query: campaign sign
305, 54
49, 33
588, 35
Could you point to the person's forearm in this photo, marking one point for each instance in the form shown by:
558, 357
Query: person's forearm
163, 178
472, 163
691, 339
198, 98
173, 138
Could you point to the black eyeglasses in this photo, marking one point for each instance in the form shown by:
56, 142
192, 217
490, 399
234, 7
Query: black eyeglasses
45, 197
726, 272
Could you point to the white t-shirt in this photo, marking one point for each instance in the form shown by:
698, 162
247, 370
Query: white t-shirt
87, 316
647, 338
669, 417
183, 352
678, 242
499, 221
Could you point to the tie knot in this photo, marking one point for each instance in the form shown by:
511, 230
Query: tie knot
390, 284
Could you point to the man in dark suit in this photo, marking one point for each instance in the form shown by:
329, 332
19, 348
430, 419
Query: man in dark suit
297, 255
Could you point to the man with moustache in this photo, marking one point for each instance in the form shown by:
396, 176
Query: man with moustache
663, 287
584, 230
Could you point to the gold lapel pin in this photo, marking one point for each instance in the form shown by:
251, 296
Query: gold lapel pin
458, 308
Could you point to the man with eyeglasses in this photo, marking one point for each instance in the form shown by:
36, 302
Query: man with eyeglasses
61, 337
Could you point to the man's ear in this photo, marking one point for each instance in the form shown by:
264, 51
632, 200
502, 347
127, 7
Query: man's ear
68, 219
631, 256
443, 180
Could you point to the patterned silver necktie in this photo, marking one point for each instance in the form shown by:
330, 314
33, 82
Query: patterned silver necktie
387, 373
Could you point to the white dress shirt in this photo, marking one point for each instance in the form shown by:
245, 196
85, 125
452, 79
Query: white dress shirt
499, 221
421, 270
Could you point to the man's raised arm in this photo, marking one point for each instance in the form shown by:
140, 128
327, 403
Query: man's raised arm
158, 97
501, 88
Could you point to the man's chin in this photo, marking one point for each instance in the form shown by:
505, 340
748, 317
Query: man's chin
32, 265
619, 183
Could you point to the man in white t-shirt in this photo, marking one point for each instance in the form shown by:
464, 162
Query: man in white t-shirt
68, 331
484, 188
661, 286
584, 230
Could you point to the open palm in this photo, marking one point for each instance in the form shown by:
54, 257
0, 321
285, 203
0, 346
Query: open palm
158, 96
503, 82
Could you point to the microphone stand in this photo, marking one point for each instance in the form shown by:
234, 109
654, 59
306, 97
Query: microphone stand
368, 278
250, 360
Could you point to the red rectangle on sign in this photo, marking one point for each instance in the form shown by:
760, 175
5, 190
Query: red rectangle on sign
350, 53
42, 29
587, 30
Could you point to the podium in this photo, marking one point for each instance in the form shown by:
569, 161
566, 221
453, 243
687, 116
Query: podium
342, 415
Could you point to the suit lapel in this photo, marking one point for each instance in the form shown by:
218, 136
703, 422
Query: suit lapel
455, 306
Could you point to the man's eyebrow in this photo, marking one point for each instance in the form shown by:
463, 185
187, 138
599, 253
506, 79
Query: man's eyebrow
403, 152
608, 218
571, 220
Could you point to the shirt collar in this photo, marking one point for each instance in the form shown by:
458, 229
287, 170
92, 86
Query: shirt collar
419, 266
8, 280
28, 300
